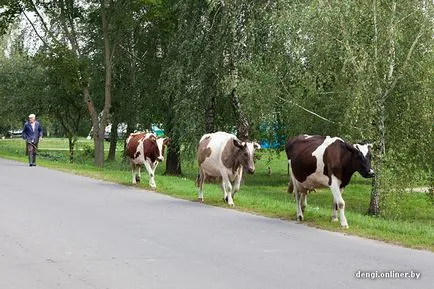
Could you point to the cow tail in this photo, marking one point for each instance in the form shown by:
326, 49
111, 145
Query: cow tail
290, 184
198, 179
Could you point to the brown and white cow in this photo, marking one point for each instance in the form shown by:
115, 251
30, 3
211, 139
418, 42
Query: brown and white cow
323, 161
221, 154
145, 149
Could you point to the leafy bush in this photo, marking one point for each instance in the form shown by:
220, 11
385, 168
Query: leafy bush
88, 152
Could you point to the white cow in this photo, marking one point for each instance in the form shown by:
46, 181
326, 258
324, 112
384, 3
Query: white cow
221, 154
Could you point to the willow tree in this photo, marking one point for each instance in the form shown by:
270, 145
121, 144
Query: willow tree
365, 67
401, 45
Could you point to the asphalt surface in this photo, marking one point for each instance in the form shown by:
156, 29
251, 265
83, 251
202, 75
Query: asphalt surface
58, 230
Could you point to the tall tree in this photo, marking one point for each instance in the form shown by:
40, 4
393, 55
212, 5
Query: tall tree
62, 23
61, 97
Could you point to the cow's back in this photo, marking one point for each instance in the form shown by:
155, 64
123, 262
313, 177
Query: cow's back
216, 142
133, 141
210, 150
299, 151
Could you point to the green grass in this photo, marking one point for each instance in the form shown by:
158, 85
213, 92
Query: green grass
261, 194
49, 144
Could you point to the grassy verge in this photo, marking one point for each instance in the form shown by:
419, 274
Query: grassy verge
261, 194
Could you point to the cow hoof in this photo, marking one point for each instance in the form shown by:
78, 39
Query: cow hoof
153, 187
334, 219
225, 199
345, 226
231, 205
300, 218
200, 200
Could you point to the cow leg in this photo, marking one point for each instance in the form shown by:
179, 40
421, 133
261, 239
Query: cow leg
337, 196
200, 181
300, 197
152, 174
138, 173
149, 168
341, 206
297, 195
133, 173
303, 201
297, 203
237, 182
225, 195
335, 211
227, 189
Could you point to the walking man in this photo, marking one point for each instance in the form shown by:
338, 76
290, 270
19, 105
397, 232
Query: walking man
32, 134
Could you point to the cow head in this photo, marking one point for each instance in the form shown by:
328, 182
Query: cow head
245, 155
363, 160
161, 143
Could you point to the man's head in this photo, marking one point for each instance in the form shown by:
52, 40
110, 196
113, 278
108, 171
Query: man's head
32, 118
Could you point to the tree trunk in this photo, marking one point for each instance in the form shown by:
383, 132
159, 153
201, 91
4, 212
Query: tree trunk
113, 141
210, 115
374, 206
98, 137
173, 161
381, 96
107, 65
98, 141
71, 140
243, 125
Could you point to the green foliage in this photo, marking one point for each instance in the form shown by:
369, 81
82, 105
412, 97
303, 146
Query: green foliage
88, 152
20, 90
9, 10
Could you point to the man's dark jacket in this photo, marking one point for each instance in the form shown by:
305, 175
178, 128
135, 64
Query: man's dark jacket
30, 135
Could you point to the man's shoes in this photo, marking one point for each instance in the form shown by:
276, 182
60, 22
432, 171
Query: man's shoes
34, 165
30, 165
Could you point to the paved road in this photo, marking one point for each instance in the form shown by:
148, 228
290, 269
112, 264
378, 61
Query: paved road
64, 231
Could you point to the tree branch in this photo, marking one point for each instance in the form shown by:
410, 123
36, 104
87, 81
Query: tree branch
404, 66
375, 40
309, 111
133, 56
70, 35
72, 26
35, 30
47, 31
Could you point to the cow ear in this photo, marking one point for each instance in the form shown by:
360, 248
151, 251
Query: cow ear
238, 143
256, 146
166, 141
356, 146
152, 137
